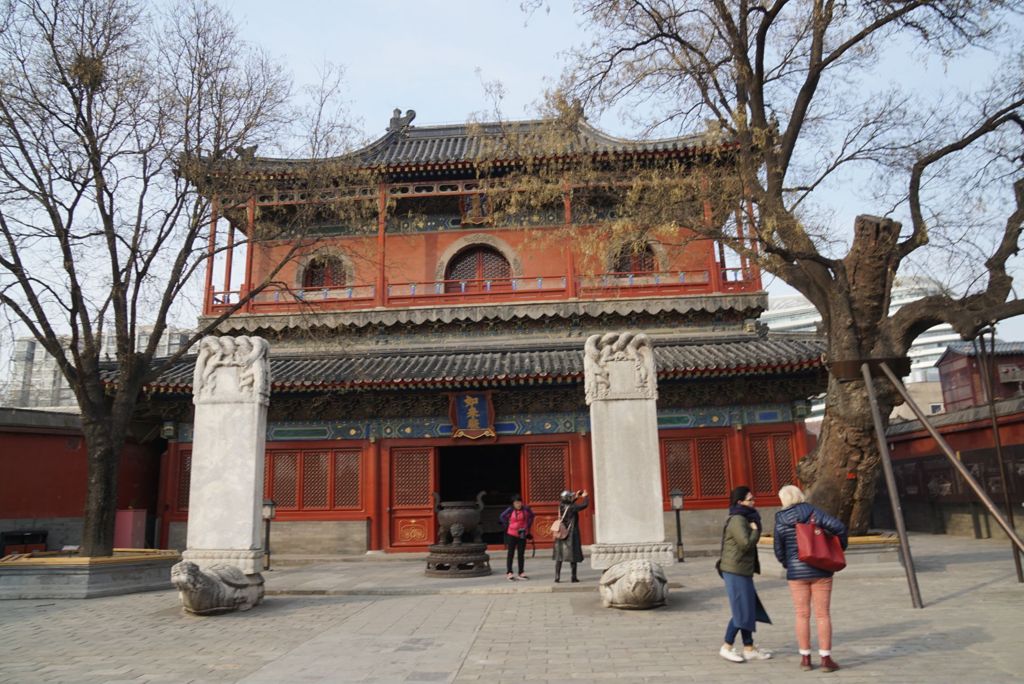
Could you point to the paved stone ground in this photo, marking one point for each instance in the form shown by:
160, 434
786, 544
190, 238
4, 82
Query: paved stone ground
492, 630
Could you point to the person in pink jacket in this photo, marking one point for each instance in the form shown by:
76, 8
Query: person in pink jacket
517, 520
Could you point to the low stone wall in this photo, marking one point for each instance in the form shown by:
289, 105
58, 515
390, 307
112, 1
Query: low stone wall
60, 531
329, 536
295, 537
959, 519
704, 527
177, 535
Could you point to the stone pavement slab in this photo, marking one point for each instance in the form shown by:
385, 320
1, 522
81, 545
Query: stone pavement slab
969, 630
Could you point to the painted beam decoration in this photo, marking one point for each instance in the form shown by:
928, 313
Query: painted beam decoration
472, 415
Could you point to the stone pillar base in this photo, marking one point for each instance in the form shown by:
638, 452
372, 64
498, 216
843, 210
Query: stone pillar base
603, 556
249, 561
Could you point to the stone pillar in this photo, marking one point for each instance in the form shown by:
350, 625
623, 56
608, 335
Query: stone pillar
621, 390
231, 389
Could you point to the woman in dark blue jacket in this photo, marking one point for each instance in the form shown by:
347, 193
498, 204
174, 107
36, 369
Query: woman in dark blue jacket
807, 584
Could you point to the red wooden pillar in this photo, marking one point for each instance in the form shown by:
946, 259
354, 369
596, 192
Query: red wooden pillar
168, 467
211, 249
375, 489
739, 463
755, 268
714, 268
250, 227
583, 474
381, 294
572, 289
229, 254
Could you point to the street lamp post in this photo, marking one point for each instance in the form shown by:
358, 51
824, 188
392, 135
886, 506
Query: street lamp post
269, 511
676, 497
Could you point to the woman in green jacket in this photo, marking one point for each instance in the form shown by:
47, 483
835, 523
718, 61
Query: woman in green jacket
737, 567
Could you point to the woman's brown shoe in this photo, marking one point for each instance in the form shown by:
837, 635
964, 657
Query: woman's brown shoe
828, 665
805, 663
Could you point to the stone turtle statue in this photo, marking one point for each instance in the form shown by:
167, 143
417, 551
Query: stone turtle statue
220, 588
634, 584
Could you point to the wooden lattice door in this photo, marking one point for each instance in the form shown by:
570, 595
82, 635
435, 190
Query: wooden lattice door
545, 473
413, 479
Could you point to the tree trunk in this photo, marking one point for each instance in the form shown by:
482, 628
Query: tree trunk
843, 469
104, 457
842, 472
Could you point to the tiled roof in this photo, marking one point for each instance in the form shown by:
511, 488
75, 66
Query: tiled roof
1001, 348
421, 146
448, 369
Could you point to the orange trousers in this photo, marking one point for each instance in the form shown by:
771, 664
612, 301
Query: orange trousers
819, 593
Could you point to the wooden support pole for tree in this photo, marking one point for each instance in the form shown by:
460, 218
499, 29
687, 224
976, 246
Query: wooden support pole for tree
988, 381
890, 484
951, 455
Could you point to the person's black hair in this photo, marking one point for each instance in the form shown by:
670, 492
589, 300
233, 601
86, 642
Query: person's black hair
738, 494
517, 497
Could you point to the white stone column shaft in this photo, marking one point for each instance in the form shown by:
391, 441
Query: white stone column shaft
230, 392
621, 389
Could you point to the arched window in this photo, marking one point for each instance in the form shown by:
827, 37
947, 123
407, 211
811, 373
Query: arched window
476, 263
324, 271
629, 260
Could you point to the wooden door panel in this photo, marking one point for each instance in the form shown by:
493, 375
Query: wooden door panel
413, 480
545, 474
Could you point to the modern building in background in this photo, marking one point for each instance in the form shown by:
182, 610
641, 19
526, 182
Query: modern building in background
794, 313
36, 381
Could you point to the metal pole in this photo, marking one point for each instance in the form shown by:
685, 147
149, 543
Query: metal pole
679, 539
951, 455
988, 379
266, 543
890, 484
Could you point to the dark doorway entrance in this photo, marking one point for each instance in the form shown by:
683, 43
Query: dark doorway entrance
492, 468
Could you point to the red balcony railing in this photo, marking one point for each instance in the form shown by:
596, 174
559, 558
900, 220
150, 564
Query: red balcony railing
456, 292
462, 291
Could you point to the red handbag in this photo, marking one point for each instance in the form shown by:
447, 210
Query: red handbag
818, 548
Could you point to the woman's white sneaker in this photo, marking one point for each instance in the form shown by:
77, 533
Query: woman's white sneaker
730, 655
756, 654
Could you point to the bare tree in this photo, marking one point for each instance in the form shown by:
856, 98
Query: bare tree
784, 84
111, 116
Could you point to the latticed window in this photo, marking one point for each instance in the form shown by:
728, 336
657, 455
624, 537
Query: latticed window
771, 463
411, 476
633, 260
545, 471
184, 479
697, 467
314, 479
476, 264
324, 271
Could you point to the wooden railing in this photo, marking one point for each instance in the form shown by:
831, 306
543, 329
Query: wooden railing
278, 299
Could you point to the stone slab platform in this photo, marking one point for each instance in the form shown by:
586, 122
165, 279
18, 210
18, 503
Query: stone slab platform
52, 575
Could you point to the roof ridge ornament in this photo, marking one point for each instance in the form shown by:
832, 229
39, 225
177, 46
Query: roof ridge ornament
400, 123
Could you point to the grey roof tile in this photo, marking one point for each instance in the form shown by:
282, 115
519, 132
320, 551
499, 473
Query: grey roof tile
757, 356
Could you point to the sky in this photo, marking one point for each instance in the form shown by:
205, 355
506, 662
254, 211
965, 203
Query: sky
435, 57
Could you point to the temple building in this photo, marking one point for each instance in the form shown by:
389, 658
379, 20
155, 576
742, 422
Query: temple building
430, 344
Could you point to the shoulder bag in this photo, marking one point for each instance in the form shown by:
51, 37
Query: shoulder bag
818, 548
558, 528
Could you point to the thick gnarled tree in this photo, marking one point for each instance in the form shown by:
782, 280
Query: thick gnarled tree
790, 86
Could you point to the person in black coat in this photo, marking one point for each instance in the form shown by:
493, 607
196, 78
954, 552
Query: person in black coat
569, 549
807, 584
